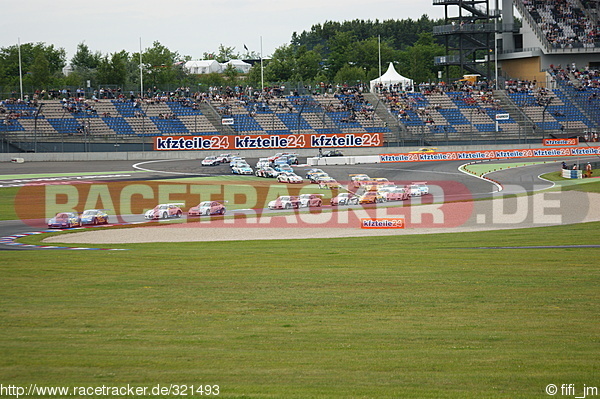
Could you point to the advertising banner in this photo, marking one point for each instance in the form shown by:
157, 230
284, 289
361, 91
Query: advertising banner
559, 142
489, 154
266, 141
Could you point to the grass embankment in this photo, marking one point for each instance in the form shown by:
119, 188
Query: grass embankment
412, 316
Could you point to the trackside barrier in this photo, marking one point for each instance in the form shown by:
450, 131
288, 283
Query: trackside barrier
316, 161
489, 155
572, 174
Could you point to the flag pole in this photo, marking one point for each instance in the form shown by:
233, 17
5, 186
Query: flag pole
141, 72
379, 46
262, 72
20, 68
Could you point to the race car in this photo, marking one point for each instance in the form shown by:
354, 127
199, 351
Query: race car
285, 202
333, 153
421, 186
64, 220
311, 200
225, 158
210, 161
423, 150
236, 161
263, 163
359, 179
418, 189
313, 171
370, 197
283, 168
288, 177
395, 193
266, 171
344, 199
290, 159
207, 208
242, 169
164, 211
277, 155
315, 177
377, 183
94, 216
328, 182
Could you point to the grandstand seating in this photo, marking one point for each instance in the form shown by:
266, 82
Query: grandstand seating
564, 23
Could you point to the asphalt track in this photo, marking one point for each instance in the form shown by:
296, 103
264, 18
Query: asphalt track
455, 184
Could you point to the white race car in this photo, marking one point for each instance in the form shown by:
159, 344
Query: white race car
164, 211
285, 202
311, 200
210, 161
242, 169
288, 177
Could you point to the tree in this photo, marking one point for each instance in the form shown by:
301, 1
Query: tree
350, 75
231, 73
84, 58
113, 69
417, 61
31, 54
40, 71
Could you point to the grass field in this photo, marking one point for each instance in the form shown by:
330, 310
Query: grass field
434, 316
411, 316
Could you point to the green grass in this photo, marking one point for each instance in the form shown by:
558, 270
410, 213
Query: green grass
382, 317
486, 167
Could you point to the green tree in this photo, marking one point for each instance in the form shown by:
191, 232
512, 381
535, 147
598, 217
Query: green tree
308, 64
417, 61
350, 75
231, 73
84, 58
281, 66
40, 71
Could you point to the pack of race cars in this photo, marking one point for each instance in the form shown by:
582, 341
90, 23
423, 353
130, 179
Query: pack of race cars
361, 190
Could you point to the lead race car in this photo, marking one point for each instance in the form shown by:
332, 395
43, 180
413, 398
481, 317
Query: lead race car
64, 220
164, 211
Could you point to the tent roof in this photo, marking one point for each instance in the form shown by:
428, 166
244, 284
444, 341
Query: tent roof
200, 63
237, 62
391, 76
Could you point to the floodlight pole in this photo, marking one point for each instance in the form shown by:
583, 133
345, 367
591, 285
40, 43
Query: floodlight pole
20, 67
141, 72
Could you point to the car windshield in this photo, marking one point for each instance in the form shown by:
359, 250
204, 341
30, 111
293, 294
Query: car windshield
89, 213
205, 204
62, 216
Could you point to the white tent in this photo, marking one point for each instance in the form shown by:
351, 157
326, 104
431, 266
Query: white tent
391, 77
203, 66
239, 65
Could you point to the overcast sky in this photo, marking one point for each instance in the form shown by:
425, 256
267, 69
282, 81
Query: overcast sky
190, 27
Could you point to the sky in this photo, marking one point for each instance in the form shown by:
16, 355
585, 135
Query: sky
188, 27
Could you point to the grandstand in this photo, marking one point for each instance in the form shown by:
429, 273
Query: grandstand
549, 84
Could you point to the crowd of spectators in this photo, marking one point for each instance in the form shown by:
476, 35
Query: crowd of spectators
564, 24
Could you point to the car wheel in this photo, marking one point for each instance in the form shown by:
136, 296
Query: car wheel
288, 206
95, 221
207, 213
165, 215
223, 211
179, 214
319, 204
